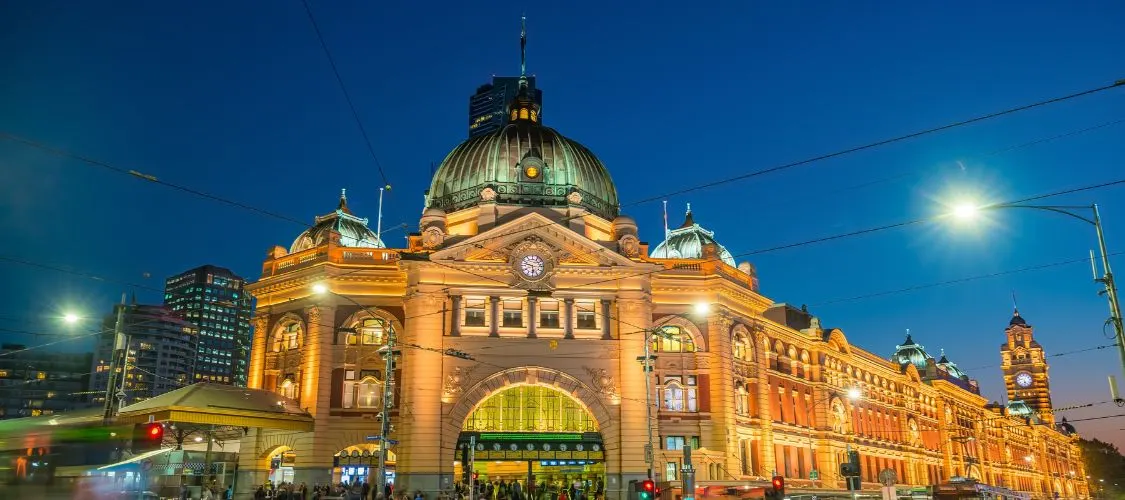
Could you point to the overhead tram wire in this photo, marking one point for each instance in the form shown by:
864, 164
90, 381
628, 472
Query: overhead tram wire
92, 276
150, 178
347, 95
884, 142
956, 281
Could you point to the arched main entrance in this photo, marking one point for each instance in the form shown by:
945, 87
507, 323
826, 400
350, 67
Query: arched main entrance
536, 435
360, 463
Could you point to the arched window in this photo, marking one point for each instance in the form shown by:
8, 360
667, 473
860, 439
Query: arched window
523, 113
681, 393
362, 389
373, 331
672, 338
288, 388
743, 350
287, 337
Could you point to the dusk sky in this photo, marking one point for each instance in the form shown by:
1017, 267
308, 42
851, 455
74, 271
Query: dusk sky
237, 99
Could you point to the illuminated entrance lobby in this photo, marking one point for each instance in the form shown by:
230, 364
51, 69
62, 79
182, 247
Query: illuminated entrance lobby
535, 435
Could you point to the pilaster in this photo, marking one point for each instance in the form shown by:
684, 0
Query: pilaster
258, 350
634, 310
419, 423
722, 386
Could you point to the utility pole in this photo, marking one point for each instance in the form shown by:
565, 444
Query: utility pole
471, 464
646, 363
388, 402
119, 352
1110, 288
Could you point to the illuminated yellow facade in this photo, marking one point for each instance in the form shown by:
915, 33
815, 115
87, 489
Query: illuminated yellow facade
525, 265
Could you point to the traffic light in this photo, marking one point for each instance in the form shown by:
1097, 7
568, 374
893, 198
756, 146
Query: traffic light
147, 437
777, 492
648, 489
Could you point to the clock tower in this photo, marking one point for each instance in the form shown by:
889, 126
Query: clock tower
1025, 368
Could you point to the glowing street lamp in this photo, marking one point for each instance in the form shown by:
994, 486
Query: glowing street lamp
854, 393
70, 318
320, 289
969, 211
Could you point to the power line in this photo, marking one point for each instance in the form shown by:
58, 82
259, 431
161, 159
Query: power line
1055, 355
956, 281
884, 142
347, 95
76, 273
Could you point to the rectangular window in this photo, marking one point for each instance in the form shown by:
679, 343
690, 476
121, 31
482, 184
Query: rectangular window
585, 313
695, 442
673, 442
548, 314
513, 313
474, 312
670, 471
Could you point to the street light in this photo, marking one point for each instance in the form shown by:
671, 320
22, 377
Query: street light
968, 210
646, 364
71, 318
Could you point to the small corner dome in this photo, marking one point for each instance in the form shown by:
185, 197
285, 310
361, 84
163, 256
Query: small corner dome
912, 353
687, 241
950, 367
353, 230
1017, 320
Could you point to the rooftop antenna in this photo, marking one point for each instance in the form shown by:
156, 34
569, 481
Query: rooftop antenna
379, 219
1015, 304
665, 219
523, 50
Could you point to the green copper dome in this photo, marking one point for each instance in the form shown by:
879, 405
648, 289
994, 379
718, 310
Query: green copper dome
911, 352
525, 164
687, 241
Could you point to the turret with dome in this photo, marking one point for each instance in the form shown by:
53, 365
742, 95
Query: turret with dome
912, 353
353, 230
687, 242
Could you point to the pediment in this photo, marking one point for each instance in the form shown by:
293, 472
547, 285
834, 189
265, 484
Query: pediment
566, 246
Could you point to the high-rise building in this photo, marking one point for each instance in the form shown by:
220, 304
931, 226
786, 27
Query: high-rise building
1025, 370
161, 352
489, 105
212, 298
41, 382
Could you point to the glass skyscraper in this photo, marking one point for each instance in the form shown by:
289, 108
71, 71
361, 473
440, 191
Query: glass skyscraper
487, 108
212, 298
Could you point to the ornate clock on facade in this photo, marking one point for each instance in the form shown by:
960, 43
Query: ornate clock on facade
1023, 379
532, 266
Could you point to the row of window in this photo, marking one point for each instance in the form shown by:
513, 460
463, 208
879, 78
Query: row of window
512, 313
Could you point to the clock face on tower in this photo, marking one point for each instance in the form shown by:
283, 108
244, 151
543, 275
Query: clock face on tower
1023, 379
532, 266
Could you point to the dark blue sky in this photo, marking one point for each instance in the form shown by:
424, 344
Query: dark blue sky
238, 100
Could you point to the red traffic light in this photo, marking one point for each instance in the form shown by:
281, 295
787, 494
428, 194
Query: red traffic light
648, 485
778, 483
155, 432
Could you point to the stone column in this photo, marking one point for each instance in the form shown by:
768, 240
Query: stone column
532, 318
625, 456
258, 347
568, 304
721, 369
766, 391
419, 422
455, 324
494, 317
314, 450
606, 332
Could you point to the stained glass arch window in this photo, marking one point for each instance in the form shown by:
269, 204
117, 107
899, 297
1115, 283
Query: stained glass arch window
530, 408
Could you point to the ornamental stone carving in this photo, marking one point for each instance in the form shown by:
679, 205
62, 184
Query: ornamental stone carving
574, 198
456, 381
432, 237
602, 382
313, 314
488, 194
261, 325
629, 245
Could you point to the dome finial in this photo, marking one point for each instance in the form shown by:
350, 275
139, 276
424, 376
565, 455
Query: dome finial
523, 51
343, 205
909, 341
688, 220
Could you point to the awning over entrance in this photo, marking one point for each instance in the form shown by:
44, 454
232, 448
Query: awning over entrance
220, 405
533, 445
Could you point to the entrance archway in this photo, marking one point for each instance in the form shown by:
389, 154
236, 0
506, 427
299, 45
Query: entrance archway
538, 436
279, 461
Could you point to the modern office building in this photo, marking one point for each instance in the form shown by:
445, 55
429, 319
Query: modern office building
161, 355
212, 298
524, 262
41, 382
489, 105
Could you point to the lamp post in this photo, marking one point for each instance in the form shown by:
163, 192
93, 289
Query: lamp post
968, 211
647, 366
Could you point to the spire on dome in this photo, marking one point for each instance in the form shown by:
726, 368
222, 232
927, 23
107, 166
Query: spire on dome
909, 341
688, 220
523, 51
943, 360
343, 206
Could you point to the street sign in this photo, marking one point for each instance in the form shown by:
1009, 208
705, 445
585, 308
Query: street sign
814, 475
392, 442
372, 438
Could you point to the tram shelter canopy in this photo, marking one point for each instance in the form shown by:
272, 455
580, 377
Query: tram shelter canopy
220, 405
